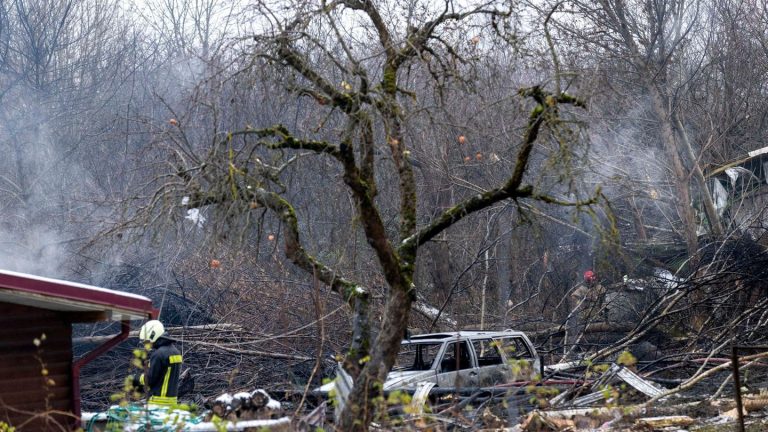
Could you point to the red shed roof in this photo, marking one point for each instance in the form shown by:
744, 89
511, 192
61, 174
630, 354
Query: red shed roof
59, 295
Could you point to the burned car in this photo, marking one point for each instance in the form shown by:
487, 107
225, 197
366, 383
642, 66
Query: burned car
464, 359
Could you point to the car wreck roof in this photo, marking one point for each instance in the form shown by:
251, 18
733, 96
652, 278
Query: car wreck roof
462, 334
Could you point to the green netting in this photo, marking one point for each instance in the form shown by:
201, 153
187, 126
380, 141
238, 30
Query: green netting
141, 418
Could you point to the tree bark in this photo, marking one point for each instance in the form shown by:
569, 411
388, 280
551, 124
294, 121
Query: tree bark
504, 264
682, 185
367, 391
710, 211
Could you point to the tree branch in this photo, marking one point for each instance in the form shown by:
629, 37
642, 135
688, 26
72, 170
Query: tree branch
513, 188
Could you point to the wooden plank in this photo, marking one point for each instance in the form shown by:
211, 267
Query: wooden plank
664, 422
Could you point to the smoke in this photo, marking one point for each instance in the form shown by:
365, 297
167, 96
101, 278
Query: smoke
38, 251
625, 147
39, 182
69, 131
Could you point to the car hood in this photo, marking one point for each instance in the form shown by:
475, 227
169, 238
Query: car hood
408, 378
394, 380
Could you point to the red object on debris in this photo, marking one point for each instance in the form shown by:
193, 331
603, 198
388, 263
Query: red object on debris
589, 276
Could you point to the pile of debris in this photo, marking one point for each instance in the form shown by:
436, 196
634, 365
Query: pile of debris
254, 405
572, 397
603, 389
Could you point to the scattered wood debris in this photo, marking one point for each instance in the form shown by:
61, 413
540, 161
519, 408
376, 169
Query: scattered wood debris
574, 419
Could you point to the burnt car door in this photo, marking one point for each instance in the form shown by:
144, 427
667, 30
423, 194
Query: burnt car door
492, 368
457, 366
519, 355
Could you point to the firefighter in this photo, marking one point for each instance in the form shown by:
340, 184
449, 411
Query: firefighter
590, 278
162, 375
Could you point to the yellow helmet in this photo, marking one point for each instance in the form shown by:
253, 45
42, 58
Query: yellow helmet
151, 331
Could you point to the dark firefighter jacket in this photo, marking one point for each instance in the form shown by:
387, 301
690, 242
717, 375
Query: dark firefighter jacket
162, 378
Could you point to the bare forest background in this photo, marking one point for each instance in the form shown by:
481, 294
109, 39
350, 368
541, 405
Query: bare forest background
223, 158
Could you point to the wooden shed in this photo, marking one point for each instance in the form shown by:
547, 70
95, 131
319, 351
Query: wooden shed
39, 379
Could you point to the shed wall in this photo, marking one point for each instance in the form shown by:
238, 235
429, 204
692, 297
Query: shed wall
22, 385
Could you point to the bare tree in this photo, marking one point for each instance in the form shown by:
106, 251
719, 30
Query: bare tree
62, 67
354, 60
653, 38
189, 27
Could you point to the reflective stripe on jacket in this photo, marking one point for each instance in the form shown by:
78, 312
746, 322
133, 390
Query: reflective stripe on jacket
162, 377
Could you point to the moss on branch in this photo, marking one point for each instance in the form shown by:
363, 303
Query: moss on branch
294, 250
513, 187
389, 80
285, 140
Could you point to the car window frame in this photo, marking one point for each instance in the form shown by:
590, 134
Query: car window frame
470, 351
524, 343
